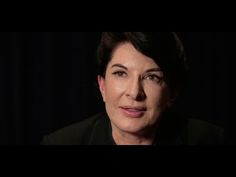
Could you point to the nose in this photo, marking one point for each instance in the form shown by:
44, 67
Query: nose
135, 90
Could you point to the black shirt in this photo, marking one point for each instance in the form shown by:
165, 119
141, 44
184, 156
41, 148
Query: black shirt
174, 129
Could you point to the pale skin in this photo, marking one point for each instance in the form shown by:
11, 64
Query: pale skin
135, 96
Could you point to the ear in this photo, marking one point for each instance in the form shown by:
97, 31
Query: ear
170, 103
172, 99
102, 87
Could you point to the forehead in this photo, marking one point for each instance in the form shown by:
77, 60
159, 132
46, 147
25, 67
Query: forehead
127, 55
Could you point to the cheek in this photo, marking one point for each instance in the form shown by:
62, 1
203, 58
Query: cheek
114, 90
158, 96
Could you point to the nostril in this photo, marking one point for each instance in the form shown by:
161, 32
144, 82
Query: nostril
135, 90
139, 96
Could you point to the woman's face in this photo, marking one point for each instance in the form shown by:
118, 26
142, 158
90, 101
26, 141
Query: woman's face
133, 90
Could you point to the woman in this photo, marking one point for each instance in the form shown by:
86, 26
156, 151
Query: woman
140, 76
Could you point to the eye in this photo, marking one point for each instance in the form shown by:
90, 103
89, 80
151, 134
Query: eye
153, 77
119, 73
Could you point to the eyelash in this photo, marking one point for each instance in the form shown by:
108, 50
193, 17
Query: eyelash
119, 73
154, 77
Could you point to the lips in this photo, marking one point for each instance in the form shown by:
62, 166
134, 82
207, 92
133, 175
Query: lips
133, 112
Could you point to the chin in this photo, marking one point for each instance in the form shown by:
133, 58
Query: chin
131, 128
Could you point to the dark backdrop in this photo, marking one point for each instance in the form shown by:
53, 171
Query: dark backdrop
47, 81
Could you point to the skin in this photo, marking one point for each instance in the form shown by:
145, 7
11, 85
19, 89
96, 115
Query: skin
135, 95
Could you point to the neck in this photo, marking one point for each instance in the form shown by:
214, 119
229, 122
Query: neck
125, 138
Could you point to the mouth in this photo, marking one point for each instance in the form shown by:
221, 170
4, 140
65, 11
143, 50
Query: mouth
133, 112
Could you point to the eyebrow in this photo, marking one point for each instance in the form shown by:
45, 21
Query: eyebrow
147, 71
120, 66
154, 70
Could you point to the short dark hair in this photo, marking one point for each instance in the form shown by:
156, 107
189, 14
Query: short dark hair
165, 48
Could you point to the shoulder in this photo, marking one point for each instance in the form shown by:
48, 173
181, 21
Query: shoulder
203, 132
75, 134
184, 129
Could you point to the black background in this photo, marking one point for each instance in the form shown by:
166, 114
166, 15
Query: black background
47, 81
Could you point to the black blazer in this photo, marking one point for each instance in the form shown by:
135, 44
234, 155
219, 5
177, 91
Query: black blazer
174, 129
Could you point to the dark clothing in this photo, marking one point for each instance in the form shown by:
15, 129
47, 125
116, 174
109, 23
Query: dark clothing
173, 130
92, 131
